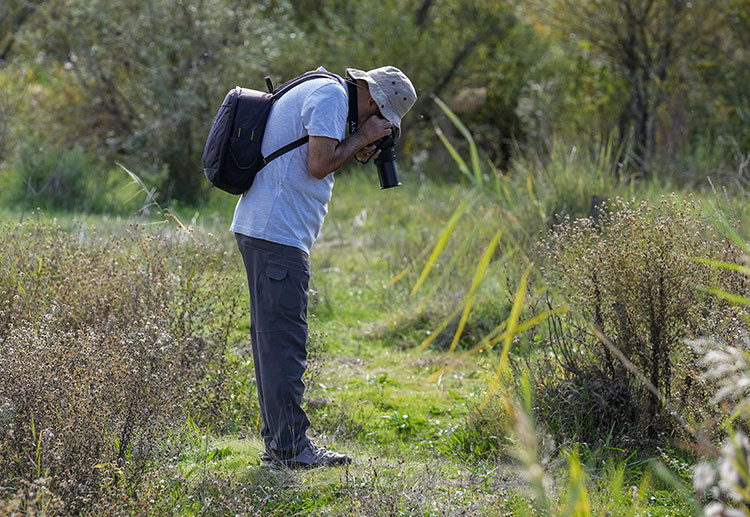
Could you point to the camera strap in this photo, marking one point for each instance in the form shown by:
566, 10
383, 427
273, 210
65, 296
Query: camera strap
351, 85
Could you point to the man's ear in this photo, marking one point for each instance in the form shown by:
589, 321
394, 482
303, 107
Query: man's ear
373, 105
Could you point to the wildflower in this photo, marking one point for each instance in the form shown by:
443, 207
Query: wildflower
720, 510
727, 366
703, 477
733, 467
6, 412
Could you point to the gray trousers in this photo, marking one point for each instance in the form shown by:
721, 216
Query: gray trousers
278, 279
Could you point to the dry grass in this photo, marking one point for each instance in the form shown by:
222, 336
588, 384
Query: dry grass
106, 346
634, 276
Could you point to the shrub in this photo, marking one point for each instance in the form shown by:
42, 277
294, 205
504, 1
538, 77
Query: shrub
55, 178
106, 346
582, 400
634, 277
484, 436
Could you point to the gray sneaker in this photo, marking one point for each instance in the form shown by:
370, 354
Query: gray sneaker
268, 460
310, 457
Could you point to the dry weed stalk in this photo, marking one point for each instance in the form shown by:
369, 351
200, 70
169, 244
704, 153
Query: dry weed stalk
106, 346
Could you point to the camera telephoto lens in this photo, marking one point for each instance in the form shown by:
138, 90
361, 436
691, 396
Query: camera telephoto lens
386, 163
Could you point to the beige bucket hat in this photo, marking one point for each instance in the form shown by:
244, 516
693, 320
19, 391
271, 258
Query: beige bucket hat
391, 89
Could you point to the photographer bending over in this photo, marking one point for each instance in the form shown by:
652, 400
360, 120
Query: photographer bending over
277, 220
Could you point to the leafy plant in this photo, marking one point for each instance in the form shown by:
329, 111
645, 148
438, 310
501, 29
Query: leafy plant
55, 178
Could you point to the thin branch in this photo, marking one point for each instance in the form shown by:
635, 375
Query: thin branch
699, 437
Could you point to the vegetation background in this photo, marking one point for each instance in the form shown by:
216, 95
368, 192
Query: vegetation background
548, 317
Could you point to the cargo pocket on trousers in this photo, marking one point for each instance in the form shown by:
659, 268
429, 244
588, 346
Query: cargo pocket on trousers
277, 273
289, 292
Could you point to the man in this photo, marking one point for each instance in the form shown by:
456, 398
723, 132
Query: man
279, 218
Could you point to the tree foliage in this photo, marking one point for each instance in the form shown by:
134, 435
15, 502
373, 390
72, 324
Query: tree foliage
140, 77
140, 82
652, 46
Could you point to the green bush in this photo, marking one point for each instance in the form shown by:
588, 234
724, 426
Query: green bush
54, 179
484, 436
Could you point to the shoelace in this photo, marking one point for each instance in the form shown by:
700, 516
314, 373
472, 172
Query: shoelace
322, 452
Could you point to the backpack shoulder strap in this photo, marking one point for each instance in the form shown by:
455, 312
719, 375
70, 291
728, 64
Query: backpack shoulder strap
315, 74
288, 147
281, 90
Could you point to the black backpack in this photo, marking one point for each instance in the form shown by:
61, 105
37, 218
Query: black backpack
232, 156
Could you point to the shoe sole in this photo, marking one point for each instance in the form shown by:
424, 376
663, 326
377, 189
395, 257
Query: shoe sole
306, 466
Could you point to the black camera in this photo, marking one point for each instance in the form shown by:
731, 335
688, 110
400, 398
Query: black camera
386, 162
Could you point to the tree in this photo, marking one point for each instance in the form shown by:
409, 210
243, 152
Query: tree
722, 63
444, 47
143, 78
645, 41
13, 15
140, 81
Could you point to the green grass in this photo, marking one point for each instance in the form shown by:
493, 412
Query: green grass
369, 395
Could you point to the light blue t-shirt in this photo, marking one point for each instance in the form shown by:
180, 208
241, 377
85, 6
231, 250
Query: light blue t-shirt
287, 204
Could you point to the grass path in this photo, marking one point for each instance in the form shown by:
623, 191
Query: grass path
368, 394
372, 401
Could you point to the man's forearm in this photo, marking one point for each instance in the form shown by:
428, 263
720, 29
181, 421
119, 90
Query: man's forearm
349, 147
325, 155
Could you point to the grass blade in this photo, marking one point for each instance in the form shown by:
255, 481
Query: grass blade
730, 297
440, 328
679, 486
149, 193
515, 312
478, 275
723, 265
454, 154
448, 269
447, 231
520, 329
733, 236
475, 163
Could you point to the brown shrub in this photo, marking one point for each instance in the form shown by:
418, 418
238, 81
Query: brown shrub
634, 276
106, 346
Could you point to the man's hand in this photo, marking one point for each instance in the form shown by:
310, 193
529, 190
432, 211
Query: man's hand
375, 128
325, 155
367, 153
